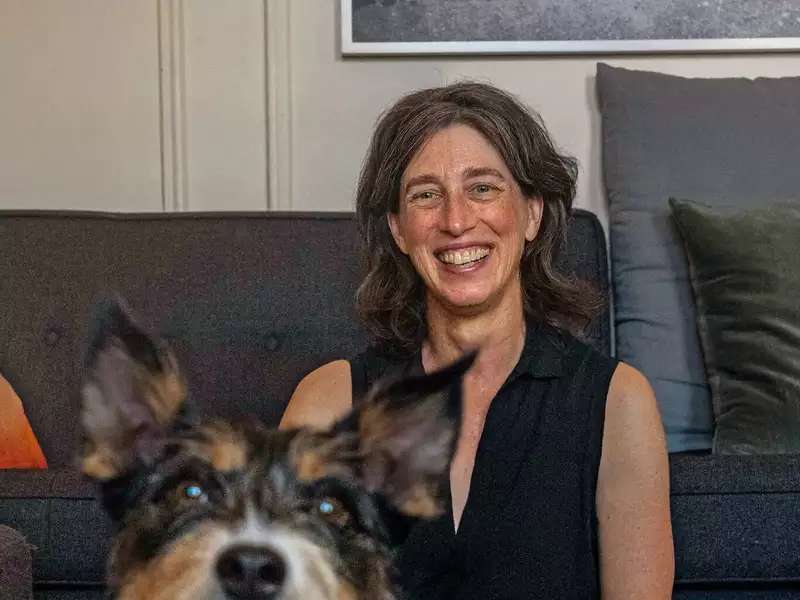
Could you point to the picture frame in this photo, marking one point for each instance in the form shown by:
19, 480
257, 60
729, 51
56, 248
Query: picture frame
410, 27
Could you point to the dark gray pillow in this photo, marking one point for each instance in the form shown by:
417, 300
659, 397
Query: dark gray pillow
731, 141
746, 278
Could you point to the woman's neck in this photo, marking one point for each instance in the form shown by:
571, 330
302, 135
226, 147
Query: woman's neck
498, 334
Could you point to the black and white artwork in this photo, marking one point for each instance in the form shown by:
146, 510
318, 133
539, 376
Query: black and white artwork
568, 26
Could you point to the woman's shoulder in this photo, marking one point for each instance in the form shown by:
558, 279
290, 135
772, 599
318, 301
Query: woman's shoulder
327, 393
321, 398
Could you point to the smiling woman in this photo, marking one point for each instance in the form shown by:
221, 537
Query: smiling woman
558, 487
463, 221
520, 159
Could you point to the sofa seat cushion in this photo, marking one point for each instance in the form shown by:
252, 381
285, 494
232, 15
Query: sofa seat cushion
734, 518
56, 510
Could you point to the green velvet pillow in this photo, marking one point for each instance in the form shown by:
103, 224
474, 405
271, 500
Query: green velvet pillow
745, 271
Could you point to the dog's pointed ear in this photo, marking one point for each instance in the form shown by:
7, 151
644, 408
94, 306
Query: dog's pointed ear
131, 394
407, 432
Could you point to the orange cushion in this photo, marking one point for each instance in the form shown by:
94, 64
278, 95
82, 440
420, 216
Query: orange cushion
19, 448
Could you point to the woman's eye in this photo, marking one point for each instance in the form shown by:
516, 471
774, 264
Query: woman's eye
424, 196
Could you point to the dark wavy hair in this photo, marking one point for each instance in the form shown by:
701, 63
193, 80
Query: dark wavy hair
391, 298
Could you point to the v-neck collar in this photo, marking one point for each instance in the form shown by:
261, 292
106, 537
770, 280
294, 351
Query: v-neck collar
542, 354
542, 357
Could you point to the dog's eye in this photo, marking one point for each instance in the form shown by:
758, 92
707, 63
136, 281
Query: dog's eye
193, 491
332, 510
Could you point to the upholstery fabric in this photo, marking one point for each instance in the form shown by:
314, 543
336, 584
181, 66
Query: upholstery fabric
734, 522
250, 304
15, 565
727, 140
746, 281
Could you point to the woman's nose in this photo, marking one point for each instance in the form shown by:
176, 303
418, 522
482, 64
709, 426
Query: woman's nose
458, 215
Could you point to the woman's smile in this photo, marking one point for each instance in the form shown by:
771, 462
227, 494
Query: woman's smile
463, 259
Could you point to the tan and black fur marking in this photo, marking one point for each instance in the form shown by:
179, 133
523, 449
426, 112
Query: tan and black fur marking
221, 510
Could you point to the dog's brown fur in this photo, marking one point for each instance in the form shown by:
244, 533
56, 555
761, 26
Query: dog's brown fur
195, 502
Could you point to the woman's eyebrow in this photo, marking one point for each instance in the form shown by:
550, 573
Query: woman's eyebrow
481, 171
421, 180
469, 173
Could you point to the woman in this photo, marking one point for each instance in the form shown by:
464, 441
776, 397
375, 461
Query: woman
559, 483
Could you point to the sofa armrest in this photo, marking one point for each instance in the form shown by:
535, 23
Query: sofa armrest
57, 512
15, 565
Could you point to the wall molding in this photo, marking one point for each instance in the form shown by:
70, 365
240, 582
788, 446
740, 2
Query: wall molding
172, 89
277, 31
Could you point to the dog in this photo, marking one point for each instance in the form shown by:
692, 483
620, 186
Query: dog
218, 510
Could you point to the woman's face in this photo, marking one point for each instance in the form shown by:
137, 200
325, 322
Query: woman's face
463, 221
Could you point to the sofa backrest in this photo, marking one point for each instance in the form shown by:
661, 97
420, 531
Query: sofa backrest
249, 301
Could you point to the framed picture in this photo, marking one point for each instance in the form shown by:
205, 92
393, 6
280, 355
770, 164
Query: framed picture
376, 27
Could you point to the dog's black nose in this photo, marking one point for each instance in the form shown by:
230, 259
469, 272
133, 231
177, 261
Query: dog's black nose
251, 572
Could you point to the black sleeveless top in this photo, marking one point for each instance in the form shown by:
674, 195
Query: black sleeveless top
529, 527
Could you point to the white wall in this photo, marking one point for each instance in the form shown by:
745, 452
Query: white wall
245, 104
132, 105
79, 117
225, 105
336, 100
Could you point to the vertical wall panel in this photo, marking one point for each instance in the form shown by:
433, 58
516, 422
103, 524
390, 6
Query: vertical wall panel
79, 105
226, 129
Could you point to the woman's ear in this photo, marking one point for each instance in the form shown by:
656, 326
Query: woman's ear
397, 234
535, 208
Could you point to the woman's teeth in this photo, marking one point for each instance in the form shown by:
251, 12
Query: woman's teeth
463, 257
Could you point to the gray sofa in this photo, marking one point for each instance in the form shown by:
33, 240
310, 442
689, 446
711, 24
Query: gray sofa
725, 142
251, 302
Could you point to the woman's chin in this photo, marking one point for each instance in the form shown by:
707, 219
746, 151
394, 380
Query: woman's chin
472, 300
464, 303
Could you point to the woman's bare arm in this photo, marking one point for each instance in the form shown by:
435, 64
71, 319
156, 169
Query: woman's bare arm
637, 558
321, 398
